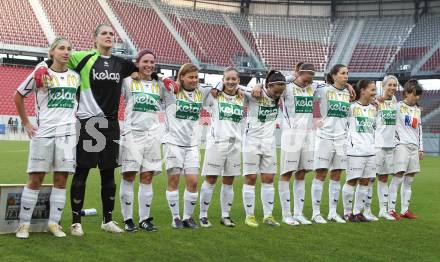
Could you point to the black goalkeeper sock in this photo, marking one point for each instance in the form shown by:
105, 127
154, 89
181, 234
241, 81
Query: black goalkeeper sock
77, 193
108, 192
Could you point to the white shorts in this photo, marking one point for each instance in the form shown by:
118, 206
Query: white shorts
330, 154
222, 158
56, 154
406, 159
296, 150
259, 156
186, 159
361, 167
385, 161
140, 153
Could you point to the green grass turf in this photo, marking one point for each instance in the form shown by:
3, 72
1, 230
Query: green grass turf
416, 240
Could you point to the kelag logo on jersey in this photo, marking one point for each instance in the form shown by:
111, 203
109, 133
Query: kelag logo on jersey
61, 97
364, 124
338, 108
145, 102
106, 76
187, 110
231, 112
267, 113
389, 117
303, 104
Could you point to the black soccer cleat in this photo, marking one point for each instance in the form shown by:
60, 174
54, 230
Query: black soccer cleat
147, 225
129, 225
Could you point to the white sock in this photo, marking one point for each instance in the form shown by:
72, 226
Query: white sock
145, 197
267, 198
317, 186
29, 199
333, 195
249, 199
126, 196
405, 193
206, 192
173, 202
284, 192
299, 191
57, 203
382, 194
226, 198
189, 203
359, 199
369, 198
394, 185
347, 198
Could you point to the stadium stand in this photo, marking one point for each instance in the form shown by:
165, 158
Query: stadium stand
27, 32
10, 78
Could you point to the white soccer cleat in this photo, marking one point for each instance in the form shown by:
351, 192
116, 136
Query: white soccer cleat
370, 217
288, 220
76, 230
386, 215
336, 218
318, 219
302, 220
22, 231
56, 230
111, 227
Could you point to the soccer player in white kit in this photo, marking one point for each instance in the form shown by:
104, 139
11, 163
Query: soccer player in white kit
409, 149
181, 142
330, 141
361, 164
53, 140
297, 142
140, 140
385, 146
223, 149
259, 148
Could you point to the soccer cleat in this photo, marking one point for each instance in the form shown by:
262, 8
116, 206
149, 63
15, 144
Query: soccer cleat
189, 223
227, 222
76, 230
22, 231
270, 221
129, 225
361, 218
111, 227
385, 215
251, 221
290, 221
318, 219
351, 218
370, 217
302, 220
147, 225
204, 222
336, 218
408, 214
56, 230
395, 215
177, 223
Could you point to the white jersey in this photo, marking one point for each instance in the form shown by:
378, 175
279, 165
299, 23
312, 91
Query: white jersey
261, 116
298, 106
361, 125
386, 124
55, 102
183, 114
142, 104
227, 115
409, 125
334, 106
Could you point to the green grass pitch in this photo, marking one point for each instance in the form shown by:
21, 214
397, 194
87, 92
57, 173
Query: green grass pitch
416, 240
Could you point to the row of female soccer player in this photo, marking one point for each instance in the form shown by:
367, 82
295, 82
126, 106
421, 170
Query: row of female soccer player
363, 138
